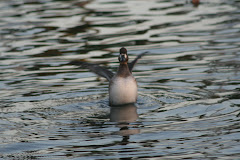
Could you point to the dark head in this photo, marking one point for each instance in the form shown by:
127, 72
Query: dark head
123, 57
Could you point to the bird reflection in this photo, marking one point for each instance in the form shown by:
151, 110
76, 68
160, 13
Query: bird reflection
125, 115
195, 3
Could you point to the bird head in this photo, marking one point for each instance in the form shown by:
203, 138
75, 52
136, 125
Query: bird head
123, 57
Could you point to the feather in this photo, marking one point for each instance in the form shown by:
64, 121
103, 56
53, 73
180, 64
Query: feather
131, 65
101, 71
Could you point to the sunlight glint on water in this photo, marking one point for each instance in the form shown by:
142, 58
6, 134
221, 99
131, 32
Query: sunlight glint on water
188, 104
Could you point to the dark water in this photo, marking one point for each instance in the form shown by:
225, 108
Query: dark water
189, 82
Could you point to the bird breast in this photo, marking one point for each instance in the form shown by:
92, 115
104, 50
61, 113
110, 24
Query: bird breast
122, 90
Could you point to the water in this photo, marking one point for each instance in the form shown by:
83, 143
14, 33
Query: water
188, 104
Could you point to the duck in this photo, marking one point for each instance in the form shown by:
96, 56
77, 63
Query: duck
122, 85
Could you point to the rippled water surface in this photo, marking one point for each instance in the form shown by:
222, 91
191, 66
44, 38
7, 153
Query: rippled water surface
189, 81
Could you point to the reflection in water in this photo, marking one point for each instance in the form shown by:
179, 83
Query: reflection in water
125, 115
188, 83
195, 3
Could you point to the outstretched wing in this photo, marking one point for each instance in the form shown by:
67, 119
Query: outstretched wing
101, 71
131, 65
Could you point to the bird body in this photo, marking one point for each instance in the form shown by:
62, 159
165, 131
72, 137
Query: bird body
122, 85
122, 90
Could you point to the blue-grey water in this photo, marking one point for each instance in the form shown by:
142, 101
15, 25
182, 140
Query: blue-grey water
189, 82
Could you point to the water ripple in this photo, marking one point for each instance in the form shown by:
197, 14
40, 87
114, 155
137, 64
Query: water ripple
188, 105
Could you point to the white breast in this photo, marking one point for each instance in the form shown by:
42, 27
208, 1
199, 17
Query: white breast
122, 90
